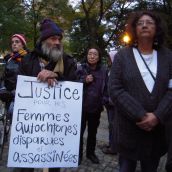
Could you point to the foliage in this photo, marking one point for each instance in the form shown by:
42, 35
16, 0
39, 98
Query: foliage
57, 10
18, 16
102, 23
98, 23
12, 20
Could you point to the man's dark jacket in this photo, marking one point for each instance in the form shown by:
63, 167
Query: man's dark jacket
30, 66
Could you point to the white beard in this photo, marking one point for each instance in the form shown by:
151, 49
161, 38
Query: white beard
53, 53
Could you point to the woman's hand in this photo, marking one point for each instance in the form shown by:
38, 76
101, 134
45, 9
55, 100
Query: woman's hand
148, 122
89, 78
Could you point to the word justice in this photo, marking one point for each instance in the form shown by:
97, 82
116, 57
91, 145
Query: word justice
56, 92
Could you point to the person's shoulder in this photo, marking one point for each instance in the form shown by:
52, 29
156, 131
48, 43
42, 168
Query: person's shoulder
7, 57
65, 55
165, 52
165, 49
69, 58
123, 54
29, 57
83, 65
124, 50
104, 67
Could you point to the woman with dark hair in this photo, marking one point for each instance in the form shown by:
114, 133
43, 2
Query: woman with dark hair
94, 77
140, 86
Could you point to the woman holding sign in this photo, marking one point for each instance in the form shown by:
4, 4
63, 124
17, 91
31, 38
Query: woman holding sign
94, 76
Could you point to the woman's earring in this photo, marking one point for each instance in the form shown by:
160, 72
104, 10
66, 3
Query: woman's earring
135, 43
155, 43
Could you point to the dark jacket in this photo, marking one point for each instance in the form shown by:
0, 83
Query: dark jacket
11, 72
132, 100
94, 93
30, 66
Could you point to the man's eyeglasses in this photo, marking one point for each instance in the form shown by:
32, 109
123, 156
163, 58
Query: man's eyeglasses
145, 22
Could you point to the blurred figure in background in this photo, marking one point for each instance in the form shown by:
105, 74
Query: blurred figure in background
111, 147
12, 62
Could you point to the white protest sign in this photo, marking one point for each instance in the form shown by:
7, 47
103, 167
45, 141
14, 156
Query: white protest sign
46, 124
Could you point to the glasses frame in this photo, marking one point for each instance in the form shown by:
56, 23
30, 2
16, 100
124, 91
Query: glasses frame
145, 22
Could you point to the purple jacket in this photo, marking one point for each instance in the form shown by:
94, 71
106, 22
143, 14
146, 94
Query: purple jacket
95, 93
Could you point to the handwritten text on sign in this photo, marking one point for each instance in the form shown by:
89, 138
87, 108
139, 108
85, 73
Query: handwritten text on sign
46, 124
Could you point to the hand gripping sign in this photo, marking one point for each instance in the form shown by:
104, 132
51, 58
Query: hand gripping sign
46, 124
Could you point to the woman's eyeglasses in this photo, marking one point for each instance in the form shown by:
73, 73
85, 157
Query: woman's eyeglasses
145, 22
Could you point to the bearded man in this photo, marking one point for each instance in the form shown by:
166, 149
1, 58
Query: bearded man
48, 63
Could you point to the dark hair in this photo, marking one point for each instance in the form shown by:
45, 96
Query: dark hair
160, 28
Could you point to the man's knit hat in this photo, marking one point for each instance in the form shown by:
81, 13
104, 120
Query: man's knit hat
21, 37
49, 28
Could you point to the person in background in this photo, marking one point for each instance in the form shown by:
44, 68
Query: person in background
111, 147
140, 86
48, 62
12, 62
94, 77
